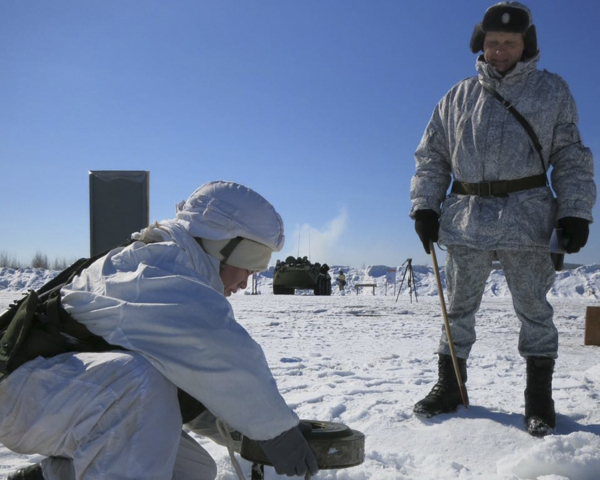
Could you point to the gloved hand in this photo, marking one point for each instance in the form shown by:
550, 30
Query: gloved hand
290, 454
427, 226
575, 231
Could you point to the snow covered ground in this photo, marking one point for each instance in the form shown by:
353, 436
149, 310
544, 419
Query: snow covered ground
363, 360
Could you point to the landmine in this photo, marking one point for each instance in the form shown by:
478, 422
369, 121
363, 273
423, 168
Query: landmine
334, 445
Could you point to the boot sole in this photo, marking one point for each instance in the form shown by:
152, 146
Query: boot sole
424, 413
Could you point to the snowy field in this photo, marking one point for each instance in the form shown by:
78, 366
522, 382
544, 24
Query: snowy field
363, 360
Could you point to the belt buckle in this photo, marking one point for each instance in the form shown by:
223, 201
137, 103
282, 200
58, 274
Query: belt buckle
493, 189
484, 192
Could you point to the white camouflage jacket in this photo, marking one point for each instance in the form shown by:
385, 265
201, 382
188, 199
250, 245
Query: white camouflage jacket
163, 297
473, 138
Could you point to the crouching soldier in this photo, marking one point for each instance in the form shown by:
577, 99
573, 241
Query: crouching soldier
170, 352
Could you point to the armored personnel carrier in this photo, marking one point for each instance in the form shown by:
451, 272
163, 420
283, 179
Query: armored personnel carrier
300, 273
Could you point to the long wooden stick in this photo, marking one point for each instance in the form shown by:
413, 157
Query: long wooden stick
461, 385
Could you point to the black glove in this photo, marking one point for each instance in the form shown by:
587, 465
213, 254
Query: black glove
427, 225
290, 454
575, 231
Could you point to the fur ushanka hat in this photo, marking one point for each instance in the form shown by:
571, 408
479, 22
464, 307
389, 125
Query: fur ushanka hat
507, 17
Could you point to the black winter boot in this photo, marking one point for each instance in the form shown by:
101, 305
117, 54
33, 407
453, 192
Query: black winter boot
445, 395
540, 416
32, 472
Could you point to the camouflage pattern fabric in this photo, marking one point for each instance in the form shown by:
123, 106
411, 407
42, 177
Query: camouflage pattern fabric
472, 138
529, 276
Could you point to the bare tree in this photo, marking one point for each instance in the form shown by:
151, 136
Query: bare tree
40, 260
9, 261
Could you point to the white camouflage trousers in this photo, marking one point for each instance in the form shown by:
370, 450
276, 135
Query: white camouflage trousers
108, 415
529, 276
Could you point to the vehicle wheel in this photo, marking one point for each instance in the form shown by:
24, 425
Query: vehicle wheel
281, 290
335, 445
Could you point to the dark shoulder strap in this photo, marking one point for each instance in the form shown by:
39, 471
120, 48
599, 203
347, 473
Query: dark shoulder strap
64, 276
67, 275
50, 292
34, 325
522, 120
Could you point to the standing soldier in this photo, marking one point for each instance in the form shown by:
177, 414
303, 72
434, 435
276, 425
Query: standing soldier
500, 205
341, 281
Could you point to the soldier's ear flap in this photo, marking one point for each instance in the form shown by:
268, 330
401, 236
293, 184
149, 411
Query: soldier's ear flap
477, 39
530, 39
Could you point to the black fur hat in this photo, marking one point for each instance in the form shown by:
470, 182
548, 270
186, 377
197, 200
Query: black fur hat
506, 17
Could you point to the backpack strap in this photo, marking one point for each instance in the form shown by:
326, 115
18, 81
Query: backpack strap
37, 324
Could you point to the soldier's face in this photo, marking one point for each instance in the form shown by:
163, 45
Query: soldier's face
233, 278
502, 50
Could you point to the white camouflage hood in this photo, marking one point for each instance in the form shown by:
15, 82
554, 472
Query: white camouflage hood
220, 210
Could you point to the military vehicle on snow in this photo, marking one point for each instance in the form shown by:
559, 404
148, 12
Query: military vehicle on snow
300, 273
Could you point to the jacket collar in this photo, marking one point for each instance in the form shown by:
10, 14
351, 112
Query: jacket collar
487, 73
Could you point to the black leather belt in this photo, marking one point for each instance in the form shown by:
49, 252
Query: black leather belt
499, 188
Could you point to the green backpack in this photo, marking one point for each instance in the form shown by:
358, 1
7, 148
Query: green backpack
38, 325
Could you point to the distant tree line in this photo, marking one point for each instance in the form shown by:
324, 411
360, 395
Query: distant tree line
39, 260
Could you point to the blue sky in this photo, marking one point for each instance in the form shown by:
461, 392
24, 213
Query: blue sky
316, 104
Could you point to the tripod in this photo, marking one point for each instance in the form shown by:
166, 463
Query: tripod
410, 281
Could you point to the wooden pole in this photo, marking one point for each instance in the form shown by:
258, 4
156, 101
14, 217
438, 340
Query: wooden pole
463, 392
